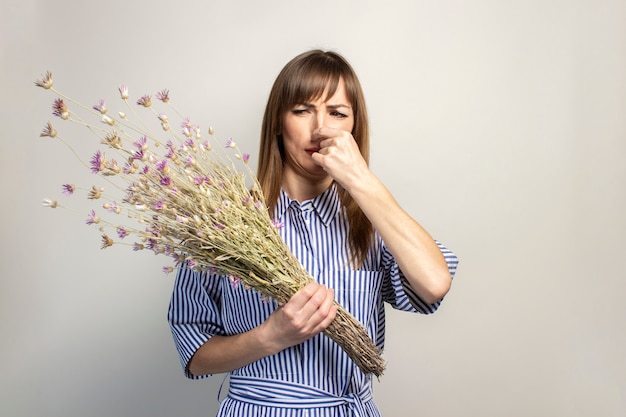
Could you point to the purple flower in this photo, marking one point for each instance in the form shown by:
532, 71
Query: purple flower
145, 101
246, 157
141, 143
121, 232
138, 246
93, 218
68, 189
234, 281
161, 165
59, 109
98, 162
123, 91
129, 168
219, 226
198, 179
139, 156
101, 107
113, 207
163, 95
186, 123
230, 143
165, 181
159, 205
278, 224
168, 270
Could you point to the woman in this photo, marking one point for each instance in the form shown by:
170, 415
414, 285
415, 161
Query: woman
346, 229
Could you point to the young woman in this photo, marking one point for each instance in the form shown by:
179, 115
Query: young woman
346, 229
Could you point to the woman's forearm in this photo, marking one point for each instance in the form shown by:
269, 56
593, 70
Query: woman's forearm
414, 249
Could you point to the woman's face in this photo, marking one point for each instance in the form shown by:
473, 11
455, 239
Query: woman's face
300, 136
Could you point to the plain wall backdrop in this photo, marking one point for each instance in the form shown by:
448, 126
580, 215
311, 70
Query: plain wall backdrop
499, 125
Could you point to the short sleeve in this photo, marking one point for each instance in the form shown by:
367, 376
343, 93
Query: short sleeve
194, 313
397, 291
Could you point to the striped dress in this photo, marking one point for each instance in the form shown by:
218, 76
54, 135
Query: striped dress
315, 378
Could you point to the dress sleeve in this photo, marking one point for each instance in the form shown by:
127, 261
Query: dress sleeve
194, 312
397, 291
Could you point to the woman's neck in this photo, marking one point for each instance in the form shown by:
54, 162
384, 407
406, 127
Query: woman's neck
302, 189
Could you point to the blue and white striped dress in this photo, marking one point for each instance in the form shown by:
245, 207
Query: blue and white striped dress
316, 378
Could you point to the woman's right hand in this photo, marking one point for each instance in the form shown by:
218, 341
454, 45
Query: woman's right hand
306, 314
309, 312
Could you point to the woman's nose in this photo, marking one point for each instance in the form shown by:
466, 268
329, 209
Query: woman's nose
320, 119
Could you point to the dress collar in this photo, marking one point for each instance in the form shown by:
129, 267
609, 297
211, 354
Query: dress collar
325, 206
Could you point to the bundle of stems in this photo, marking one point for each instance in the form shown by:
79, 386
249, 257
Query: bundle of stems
193, 202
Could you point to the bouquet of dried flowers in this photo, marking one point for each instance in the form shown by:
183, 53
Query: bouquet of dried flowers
192, 202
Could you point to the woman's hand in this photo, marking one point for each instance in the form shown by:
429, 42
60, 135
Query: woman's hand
340, 156
309, 312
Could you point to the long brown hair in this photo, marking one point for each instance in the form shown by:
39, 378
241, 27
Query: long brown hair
306, 77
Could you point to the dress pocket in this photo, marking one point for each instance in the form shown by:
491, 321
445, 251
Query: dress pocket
357, 291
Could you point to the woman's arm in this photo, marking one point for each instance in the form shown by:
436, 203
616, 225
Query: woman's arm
307, 313
415, 251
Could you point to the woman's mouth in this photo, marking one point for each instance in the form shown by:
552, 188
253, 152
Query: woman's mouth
311, 151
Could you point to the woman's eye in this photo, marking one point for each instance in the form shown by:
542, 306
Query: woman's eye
299, 111
338, 114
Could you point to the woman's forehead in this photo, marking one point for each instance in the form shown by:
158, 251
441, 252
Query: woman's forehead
319, 88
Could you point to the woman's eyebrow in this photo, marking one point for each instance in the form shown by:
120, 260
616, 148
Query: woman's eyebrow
332, 106
339, 105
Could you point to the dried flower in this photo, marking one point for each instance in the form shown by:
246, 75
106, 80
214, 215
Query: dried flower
123, 92
121, 232
98, 162
45, 82
95, 193
50, 203
48, 131
113, 140
101, 107
106, 119
68, 189
106, 241
59, 109
92, 218
145, 101
230, 143
163, 95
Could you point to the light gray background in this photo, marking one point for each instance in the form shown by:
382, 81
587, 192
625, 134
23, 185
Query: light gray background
500, 125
